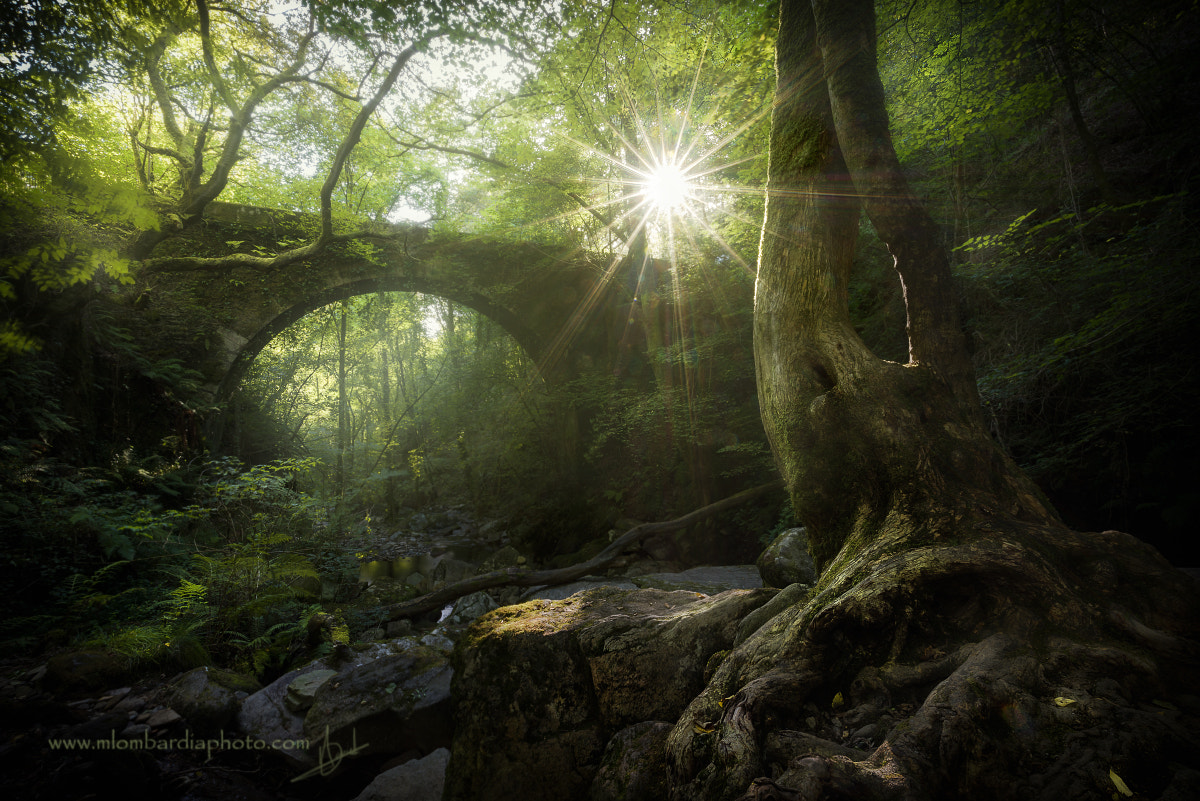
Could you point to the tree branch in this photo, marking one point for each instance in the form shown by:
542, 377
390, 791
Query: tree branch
162, 95
458, 151
162, 151
183, 264
845, 35
210, 61
516, 577
356, 129
328, 87
239, 121
612, 12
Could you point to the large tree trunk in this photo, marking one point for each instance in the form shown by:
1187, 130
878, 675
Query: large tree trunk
954, 606
855, 435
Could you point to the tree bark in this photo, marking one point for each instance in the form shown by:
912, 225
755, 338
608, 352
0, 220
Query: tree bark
953, 607
852, 432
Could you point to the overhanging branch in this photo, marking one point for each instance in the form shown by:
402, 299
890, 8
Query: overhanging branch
248, 261
423, 144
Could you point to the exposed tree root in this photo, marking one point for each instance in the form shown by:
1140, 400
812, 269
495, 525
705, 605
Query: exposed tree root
517, 577
1020, 662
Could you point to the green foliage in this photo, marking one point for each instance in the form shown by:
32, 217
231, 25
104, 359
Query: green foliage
62, 219
1063, 307
669, 443
48, 53
255, 504
256, 560
243, 608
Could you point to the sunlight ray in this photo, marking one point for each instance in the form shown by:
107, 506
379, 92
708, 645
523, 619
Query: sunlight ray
640, 124
584, 308
715, 286
659, 196
723, 166
716, 235
601, 154
741, 129
692, 95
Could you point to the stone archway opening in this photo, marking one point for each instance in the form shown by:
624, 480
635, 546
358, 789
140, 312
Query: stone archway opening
407, 399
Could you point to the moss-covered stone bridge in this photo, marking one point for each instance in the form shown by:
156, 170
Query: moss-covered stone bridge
554, 301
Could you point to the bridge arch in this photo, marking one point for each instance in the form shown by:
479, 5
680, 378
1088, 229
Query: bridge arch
559, 303
529, 340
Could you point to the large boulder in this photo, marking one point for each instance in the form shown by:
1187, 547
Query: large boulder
471, 606
634, 765
387, 706
210, 697
390, 699
303, 690
787, 561
540, 688
268, 717
450, 571
416, 780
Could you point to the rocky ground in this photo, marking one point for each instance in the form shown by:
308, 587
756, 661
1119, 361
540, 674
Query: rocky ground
370, 721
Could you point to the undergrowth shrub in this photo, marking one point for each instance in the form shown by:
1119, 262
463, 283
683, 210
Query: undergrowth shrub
229, 577
1084, 326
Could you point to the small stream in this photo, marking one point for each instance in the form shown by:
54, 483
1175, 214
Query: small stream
399, 555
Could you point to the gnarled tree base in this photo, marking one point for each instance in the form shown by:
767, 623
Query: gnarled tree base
1018, 661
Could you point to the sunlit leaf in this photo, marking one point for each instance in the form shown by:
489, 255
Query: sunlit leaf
1121, 786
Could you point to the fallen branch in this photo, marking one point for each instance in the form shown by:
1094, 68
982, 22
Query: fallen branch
520, 577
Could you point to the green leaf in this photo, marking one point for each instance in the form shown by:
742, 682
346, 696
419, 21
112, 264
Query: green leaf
1121, 786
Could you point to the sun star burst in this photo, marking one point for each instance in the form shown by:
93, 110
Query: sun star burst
667, 187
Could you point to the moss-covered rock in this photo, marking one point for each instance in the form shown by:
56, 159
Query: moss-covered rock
83, 670
540, 688
634, 765
209, 698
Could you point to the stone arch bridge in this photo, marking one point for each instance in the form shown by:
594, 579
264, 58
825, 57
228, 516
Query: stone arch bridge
555, 302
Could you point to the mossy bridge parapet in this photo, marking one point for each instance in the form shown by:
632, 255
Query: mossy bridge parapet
554, 301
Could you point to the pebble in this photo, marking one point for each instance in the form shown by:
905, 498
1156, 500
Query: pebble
162, 717
133, 703
135, 730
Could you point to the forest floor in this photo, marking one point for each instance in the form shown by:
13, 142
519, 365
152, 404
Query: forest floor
37, 722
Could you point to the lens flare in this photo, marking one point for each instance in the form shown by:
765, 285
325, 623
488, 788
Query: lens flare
667, 188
